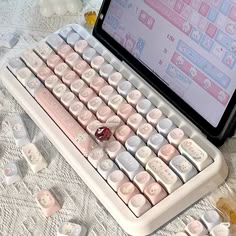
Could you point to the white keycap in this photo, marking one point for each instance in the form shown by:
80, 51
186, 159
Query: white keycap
113, 148
156, 141
68, 99
43, 50
165, 125
9, 40
116, 179
60, 69
124, 88
32, 85
32, 60
116, 101
95, 103
14, 64
176, 136
65, 31
23, 75
106, 70
80, 46
12, 173
143, 179
107, 92
195, 154
60, 90
106, 167
210, 219
196, 228
19, 131
134, 97
89, 54
52, 81
115, 79
97, 62
88, 75
135, 121
133, 143
128, 164
77, 86
72, 38
93, 126
183, 168
76, 108
222, 229
55, 41
33, 157
139, 204
47, 202
163, 174
96, 156
71, 229
144, 106
144, 154
154, 116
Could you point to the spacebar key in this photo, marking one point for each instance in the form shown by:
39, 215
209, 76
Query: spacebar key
65, 121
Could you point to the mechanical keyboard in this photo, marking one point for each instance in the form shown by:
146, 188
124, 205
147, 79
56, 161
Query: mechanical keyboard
141, 158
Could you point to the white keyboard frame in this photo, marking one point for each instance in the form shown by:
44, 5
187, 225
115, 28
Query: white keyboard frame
205, 182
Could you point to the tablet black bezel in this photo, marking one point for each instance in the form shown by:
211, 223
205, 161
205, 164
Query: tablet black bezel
217, 135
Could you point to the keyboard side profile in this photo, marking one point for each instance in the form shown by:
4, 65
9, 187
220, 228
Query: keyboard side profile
74, 141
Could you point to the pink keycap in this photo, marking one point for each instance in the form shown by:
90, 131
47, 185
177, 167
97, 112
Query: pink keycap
72, 58
69, 77
125, 111
126, 191
167, 152
52, 81
64, 51
86, 94
97, 84
155, 193
53, 60
122, 133
47, 203
104, 113
44, 72
143, 179
88, 75
77, 86
80, 66
65, 121
139, 205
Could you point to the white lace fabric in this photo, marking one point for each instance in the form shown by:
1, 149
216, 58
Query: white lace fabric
19, 213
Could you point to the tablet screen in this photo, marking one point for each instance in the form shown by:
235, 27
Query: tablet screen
189, 44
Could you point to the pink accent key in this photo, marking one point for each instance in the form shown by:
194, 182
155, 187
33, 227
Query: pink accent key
155, 193
97, 84
123, 133
53, 60
167, 152
135, 121
61, 69
65, 121
64, 50
72, 58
